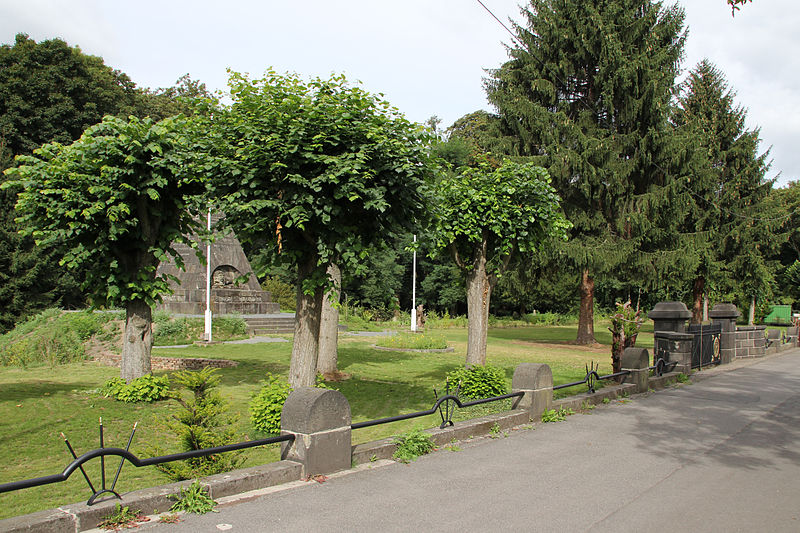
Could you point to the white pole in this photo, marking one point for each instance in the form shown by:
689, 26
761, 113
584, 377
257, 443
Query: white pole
414, 290
208, 281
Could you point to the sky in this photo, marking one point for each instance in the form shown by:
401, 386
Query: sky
427, 57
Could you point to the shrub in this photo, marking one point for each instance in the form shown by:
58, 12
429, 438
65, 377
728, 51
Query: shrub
411, 445
52, 337
230, 326
282, 293
479, 381
550, 319
414, 341
147, 388
267, 405
202, 423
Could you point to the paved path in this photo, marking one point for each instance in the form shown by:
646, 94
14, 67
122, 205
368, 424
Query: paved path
722, 454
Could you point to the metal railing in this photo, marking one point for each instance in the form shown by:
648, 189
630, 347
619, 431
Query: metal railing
125, 454
446, 413
592, 377
662, 366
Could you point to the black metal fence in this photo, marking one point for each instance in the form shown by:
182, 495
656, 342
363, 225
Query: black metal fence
592, 377
445, 405
125, 454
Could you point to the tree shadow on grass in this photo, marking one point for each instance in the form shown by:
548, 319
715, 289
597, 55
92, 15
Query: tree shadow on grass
37, 389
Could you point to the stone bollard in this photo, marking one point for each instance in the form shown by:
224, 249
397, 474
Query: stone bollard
637, 362
319, 419
536, 381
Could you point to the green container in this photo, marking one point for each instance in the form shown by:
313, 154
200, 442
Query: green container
780, 314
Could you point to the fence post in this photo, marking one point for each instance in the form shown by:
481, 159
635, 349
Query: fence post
536, 381
319, 419
637, 362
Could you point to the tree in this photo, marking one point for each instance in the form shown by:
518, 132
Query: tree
727, 190
735, 5
321, 171
585, 94
483, 216
49, 91
113, 203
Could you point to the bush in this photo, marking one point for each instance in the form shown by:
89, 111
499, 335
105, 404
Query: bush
52, 337
550, 319
414, 341
282, 293
147, 388
479, 381
267, 405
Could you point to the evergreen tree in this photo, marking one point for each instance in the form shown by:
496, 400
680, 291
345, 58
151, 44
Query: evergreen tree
728, 191
586, 94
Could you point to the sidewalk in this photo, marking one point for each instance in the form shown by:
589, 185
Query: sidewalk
721, 454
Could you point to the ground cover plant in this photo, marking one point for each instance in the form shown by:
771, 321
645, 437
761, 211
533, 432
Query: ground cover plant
37, 403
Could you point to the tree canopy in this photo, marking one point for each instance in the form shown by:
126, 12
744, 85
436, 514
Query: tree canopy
321, 171
112, 204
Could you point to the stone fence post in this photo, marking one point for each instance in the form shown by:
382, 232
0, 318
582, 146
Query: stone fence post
637, 362
536, 381
675, 347
726, 315
319, 419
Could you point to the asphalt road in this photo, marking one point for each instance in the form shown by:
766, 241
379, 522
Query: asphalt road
720, 454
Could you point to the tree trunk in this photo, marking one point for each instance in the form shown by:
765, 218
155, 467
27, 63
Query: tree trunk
586, 317
479, 293
329, 325
698, 291
138, 340
305, 349
705, 308
751, 321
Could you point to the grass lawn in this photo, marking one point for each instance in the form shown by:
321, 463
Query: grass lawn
38, 403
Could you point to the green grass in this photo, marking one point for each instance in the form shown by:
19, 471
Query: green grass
39, 402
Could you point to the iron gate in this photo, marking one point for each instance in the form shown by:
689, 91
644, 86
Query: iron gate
705, 345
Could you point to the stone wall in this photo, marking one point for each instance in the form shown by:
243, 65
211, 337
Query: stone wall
751, 341
170, 363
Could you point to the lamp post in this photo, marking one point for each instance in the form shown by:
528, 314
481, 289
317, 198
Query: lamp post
208, 281
414, 290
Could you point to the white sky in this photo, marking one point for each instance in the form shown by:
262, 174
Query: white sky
426, 56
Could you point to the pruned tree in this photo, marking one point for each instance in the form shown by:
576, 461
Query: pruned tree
484, 215
320, 171
113, 203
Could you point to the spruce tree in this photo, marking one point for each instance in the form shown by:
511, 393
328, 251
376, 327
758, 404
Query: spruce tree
586, 94
728, 191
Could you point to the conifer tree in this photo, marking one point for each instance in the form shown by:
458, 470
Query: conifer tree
586, 94
728, 190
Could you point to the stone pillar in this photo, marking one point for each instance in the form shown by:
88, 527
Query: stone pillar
637, 362
536, 381
726, 315
669, 316
319, 419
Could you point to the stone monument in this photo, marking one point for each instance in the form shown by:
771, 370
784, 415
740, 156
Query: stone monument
228, 264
